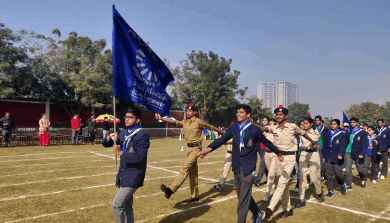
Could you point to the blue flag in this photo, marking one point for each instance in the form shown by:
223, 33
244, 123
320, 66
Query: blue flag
346, 120
139, 75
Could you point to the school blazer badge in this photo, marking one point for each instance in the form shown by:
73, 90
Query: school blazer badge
384, 136
358, 138
337, 142
250, 143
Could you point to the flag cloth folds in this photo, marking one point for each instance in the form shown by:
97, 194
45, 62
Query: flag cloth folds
346, 120
139, 75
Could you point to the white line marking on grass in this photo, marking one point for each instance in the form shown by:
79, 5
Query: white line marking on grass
57, 213
63, 191
99, 154
381, 213
344, 209
62, 178
199, 164
45, 164
38, 154
191, 208
164, 161
52, 158
175, 172
51, 171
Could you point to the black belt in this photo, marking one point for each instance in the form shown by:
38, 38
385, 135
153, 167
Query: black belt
286, 153
229, 151
193, 144
310, 150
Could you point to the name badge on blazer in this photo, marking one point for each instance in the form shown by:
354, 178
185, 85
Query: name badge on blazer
131, 149
358, 138
250, 143
337, 142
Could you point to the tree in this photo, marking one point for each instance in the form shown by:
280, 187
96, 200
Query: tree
258, 112
206, 81
297, 112
366, 112
327, 121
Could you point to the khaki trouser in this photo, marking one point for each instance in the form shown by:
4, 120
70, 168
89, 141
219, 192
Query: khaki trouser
270, 163
189, 168
226, 168
283, 173
309, 162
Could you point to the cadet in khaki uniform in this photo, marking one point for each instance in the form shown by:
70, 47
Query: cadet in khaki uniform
270, 162
285, 140
193, 133
309, 161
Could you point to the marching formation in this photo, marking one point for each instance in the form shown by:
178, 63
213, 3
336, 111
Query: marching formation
313, 150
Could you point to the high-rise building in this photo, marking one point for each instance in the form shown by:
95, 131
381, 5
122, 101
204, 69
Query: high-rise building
277, 93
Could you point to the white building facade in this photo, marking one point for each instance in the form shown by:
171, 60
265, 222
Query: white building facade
277, 93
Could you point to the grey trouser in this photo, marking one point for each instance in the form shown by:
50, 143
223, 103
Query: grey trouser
374, 168
323, 166
262, 166
75, 137
384, 157
7, 137
105, 133
348, 166
333, 169
123, 205
243, 186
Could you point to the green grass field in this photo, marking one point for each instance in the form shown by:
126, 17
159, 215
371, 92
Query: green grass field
76, 184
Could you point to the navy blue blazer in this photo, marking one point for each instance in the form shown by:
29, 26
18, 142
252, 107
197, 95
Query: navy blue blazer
132, 166
375, 150
247, 157
359, 144
384, 144
339, 145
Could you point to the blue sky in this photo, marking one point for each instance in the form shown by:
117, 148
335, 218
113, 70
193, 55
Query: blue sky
336, 52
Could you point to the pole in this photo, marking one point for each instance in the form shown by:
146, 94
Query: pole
113, 101
166, 131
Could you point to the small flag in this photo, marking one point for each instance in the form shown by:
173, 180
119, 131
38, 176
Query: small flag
346, 120
139, 75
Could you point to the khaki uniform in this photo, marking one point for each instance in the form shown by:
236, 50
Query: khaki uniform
286, 141
270, 162
193, 132
309, 162
228, 163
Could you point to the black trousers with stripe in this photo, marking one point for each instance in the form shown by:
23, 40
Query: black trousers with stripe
243, 186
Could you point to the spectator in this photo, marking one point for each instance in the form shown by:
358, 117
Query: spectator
92, 126
44, 124
106, 127
76, 125
7, 124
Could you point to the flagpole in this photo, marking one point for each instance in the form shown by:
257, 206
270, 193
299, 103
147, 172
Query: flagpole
114, 104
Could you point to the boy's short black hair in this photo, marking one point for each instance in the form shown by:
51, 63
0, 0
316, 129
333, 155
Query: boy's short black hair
354, 119
136, 112
381, 119
266, 117
245, 107
365, 124
319, 117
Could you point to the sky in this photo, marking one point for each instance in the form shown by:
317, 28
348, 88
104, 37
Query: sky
337, 52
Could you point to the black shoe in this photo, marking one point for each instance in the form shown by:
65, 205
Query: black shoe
329, 194
344, 189
364, 184
191, 200
256, 182
167, 191
320, 197
349, 187
285, 214
301, 203
218, 187
268, 213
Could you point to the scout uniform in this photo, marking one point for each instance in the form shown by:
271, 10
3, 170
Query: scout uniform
309, 161
244, 158
384, 137
285, 140
335, 144
359, 139
193, 133
373, 157
226, 167
322, 130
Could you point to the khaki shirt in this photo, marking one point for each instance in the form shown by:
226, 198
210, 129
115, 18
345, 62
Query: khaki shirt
284, 138
314, 135
269, 135
193, 129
